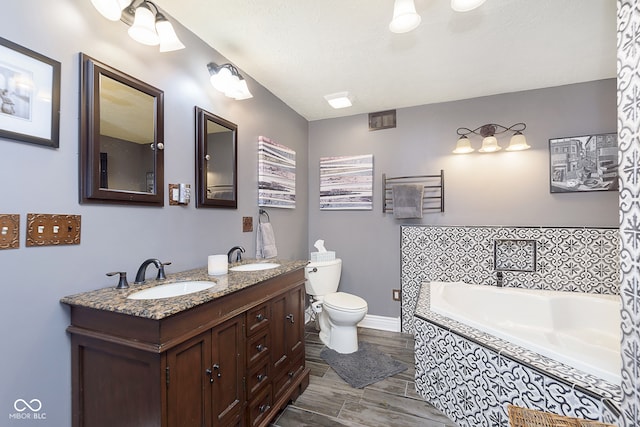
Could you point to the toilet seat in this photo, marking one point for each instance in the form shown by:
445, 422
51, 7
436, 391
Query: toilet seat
343, 301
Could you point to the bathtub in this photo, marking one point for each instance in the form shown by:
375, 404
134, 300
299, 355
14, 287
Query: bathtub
577, 329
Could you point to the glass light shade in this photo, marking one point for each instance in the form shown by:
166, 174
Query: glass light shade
243, 91
465, 5
220, 78
489, 145
518, 143
110, 9
463, 146
169, 40
143, 29
405, 17
231, 84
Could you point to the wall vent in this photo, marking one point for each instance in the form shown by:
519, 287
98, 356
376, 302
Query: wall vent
382, 120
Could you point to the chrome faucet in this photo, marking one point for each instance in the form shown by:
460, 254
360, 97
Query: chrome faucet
239, 250
143, 268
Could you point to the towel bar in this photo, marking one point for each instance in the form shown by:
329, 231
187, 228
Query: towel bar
433, 199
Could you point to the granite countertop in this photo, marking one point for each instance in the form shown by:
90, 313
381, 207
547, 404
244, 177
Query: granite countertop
115, 300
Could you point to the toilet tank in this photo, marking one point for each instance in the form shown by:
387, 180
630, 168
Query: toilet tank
322, 277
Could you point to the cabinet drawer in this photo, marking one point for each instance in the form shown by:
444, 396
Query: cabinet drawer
260, 407
258, 348
258, 318
286, 377
257, 378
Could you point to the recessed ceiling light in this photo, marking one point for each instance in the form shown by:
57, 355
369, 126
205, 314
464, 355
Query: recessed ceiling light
339, 99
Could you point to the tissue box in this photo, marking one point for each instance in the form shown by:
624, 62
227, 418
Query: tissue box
323, 256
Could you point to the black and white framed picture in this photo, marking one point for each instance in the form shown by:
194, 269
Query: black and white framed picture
29, 95
584, 163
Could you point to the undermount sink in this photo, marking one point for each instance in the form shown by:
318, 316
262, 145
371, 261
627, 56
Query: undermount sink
255, 266
172, 290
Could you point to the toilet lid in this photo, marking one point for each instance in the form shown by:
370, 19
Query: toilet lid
344, 301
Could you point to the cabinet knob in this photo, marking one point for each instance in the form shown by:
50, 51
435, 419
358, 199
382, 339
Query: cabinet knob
264, 408
217, 368
290, 317
209, 374
260, 377
260, 317
259, 347
290, 374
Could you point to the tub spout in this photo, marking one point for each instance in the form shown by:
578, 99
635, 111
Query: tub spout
499, 279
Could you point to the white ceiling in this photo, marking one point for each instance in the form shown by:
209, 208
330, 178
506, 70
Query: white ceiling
301, 50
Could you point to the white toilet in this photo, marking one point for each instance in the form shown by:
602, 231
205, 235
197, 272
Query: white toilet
338, 313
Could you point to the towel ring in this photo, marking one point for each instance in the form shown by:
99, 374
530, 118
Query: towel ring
263, 212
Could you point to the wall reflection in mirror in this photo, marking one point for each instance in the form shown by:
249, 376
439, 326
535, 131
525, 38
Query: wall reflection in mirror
216, 152
121, 137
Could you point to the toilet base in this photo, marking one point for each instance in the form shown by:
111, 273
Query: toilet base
344, 340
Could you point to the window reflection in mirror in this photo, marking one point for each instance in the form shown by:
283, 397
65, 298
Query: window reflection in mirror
121, 137
216, 151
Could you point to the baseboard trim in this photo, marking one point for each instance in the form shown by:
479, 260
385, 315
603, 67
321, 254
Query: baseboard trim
381, 323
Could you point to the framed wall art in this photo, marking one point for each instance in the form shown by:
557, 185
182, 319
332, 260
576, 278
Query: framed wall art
584, 163
276, 174
346, 182
29, 95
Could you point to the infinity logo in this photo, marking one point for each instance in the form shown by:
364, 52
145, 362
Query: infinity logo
21, 405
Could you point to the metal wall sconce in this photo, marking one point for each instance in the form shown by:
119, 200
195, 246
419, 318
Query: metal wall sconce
145, 26
490, 142
226, 79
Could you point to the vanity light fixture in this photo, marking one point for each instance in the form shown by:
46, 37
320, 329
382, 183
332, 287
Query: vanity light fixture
465, 5
405, 17
227, 79
339, 100
490, 142
146, 26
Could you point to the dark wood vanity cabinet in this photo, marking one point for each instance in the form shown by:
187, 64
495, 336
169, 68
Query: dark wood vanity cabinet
234, 361
204, 378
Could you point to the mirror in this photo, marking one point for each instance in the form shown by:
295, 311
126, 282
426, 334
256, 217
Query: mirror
216, 160
121, 137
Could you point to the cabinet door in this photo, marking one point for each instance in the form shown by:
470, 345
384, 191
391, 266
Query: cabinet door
228, 372
294, 322
188, 385
287, 337
279, 353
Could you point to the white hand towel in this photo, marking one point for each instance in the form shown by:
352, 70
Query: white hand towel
265, 241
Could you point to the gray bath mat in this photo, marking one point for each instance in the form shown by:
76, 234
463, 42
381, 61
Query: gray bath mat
366, 366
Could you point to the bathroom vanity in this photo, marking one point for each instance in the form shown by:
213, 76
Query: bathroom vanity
231, 355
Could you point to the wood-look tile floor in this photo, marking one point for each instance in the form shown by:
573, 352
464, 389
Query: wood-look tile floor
330, 401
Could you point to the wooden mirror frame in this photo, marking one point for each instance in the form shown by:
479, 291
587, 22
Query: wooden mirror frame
202, 117
90, 190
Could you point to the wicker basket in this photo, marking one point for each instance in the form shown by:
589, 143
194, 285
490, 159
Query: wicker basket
523, 417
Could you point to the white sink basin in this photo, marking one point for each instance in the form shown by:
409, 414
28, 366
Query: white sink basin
255, 266
172, 290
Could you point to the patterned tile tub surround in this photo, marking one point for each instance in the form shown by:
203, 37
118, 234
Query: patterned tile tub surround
565, 259
471, 376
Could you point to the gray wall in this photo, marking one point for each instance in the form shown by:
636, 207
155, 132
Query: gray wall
35, 357
504, 188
